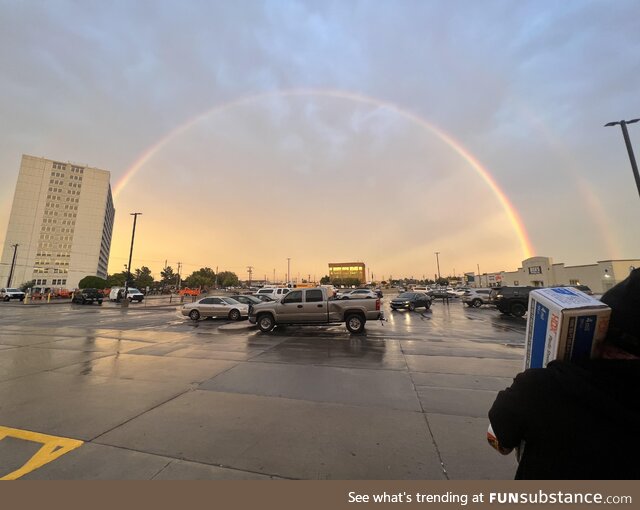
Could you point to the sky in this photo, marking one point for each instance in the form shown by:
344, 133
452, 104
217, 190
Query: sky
332, 131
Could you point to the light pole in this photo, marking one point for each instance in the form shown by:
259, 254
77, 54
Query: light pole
13, 263
125, 301
438, 263
288, 270
627, 141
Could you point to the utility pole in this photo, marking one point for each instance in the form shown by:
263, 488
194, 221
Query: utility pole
216, 277
179, 267
438, 263
288, 270
479, 280
125, 301
13, 263
627, 141
250, 271
274, 275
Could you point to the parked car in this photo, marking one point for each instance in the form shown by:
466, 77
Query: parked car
441, 293
117, 294
411, 301
476, 297
458, 291
247, 299
216, 306
277, 293
358, 294
314, 306
84, 296
7, 294
511, 300
264, 298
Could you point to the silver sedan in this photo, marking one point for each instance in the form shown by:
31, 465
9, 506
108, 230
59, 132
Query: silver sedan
216, 306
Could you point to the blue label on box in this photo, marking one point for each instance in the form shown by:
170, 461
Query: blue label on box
584, 334
539, 338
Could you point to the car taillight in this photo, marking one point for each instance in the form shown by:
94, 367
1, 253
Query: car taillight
377, 304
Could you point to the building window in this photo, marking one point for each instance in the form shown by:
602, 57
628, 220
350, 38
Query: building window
574, 282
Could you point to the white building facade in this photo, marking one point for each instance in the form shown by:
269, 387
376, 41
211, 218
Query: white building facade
543, 272
62, 220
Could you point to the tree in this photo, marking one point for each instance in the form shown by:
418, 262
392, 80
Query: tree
204, 277
442, 282
117, 279
167, 276
92, 282
325, 280
27, 285
143, 278
228, 279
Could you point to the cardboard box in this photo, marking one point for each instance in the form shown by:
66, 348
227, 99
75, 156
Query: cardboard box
563, 323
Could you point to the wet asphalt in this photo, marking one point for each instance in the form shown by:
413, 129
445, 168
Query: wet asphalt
153, 395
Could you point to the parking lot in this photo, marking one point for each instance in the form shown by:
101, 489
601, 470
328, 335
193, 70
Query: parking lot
144, 393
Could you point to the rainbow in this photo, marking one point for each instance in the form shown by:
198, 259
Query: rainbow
510, 211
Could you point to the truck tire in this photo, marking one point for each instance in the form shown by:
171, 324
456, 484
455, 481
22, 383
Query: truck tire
234, 315
518, 309
194, 315
412, 307
266, 322
355, 323
476, 303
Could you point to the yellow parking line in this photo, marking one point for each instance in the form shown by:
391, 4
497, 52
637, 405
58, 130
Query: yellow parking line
52, 448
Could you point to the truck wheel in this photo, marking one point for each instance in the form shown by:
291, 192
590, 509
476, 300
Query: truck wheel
518, 309
412, 307
266, 322
194, 315
355, 323
476, 303
7, 298
234, 315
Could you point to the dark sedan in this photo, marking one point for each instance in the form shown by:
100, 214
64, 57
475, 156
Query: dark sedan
264, 298
411, 301
246, 299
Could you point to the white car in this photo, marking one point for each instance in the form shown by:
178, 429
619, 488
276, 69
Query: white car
132, 294
476, 297
9, 294
357, 294
216, 306
276, 293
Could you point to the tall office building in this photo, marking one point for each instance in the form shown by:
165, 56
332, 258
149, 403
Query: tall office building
62, 220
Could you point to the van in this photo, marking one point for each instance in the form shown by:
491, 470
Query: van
276, 293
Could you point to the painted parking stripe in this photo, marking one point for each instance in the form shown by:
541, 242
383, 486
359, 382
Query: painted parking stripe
52, 448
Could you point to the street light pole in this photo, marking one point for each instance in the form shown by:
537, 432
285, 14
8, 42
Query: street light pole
13, 263
627, 141
288, 270
126, 283
438, 263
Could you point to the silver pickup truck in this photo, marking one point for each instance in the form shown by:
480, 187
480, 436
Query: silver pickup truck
314, 306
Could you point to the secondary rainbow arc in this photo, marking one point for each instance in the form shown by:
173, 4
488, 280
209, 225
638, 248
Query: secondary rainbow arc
510, 211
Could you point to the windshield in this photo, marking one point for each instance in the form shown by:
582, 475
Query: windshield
134, 291
406, 295
13, 290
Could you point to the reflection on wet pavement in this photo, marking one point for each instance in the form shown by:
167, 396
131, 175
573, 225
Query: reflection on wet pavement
216, 398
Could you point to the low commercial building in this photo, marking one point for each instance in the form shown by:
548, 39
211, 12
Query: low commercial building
543, 272
341, 271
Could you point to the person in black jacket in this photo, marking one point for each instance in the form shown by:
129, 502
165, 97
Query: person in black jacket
580, 420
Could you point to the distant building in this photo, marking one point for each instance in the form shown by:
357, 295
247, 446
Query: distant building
542, 272
342, 270
61, 219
